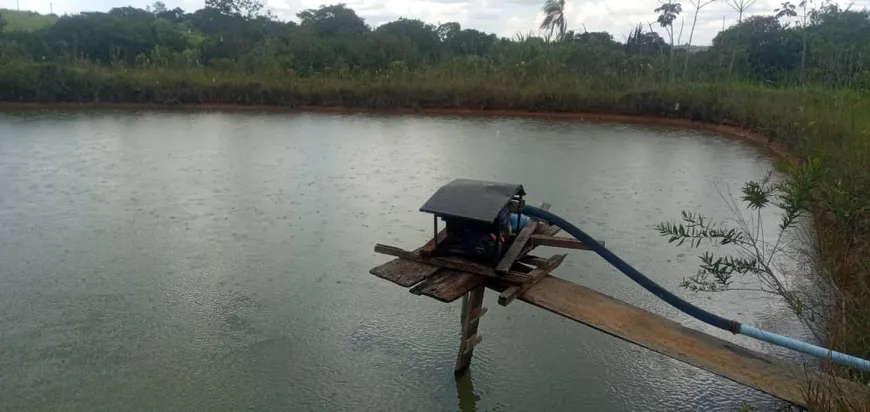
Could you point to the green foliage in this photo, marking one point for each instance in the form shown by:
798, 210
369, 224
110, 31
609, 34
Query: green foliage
831, 48
25, 21
667, 13
697, 228
750, 252
554, 18
247, 9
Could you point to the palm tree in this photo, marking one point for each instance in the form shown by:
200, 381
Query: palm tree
668, 12
554, 16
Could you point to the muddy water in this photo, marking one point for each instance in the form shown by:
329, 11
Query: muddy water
214, 261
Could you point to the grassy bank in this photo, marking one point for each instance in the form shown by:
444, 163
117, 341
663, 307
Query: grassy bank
832, 126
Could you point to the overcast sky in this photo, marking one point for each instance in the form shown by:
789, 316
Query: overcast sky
503, 17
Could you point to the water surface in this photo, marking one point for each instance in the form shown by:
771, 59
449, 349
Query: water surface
216, 261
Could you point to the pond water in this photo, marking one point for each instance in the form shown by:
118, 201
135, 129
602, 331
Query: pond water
157, 260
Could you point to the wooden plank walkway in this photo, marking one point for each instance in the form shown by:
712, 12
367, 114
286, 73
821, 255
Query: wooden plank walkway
619, 319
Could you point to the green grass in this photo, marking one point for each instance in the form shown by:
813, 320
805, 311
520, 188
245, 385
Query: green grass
26, 20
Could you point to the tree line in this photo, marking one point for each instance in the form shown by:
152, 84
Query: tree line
792, 44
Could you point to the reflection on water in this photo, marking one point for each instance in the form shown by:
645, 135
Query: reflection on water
178, 261
465, 390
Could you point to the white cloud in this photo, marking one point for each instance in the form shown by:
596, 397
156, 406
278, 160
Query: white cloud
504, 17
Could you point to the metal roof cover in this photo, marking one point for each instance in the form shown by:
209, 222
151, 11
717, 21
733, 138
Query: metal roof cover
472, 199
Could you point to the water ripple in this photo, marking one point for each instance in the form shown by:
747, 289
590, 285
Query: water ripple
179, 261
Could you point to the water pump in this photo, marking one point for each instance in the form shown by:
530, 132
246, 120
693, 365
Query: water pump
480, 216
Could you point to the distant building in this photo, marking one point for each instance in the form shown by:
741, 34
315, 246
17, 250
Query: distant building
693, 49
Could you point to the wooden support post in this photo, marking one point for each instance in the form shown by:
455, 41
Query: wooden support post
472, 310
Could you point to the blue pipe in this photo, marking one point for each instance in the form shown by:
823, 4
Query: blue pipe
804, 347
690, 309
644, 281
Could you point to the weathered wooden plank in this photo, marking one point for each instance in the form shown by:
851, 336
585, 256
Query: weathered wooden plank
507, 296
477, 314
552, 230
542, 229
545, 228
448, 285
762, 372
471, 342
519, 243
404, 272
516, 247
533, 260
453, 263
472, 304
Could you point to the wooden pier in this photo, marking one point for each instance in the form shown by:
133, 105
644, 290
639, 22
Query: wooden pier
522, 276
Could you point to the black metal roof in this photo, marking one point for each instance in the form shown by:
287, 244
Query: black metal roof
472, 199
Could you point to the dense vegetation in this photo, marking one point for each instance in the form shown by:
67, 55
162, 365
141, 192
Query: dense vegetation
826, 46
797, 74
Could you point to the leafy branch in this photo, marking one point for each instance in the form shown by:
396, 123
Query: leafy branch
697, 228
749, 252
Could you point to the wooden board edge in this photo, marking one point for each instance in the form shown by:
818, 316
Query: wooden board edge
789, 372
471, 281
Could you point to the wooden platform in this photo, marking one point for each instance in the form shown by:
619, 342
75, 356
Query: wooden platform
447, 278
528, 278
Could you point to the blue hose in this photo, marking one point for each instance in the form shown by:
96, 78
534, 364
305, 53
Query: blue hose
803, 347
690, 309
